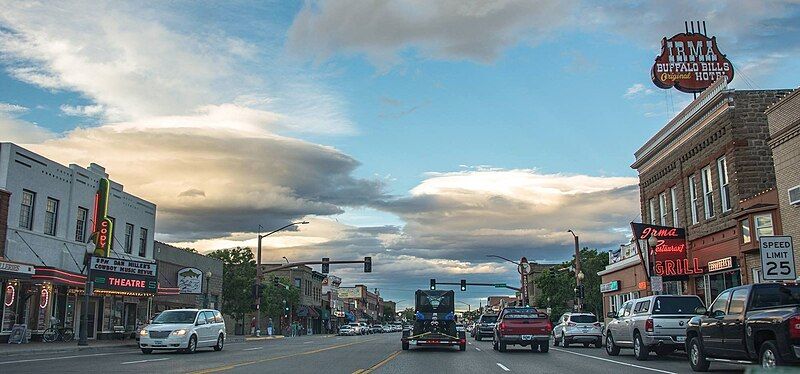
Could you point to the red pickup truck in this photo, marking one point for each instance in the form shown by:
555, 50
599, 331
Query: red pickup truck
522, 326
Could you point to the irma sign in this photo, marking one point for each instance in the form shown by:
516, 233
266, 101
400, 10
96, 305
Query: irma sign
669, 258
690, 62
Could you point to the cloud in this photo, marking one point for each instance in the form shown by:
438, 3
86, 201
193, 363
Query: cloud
449, 30
636, 90
19, 131
12, 109
83, 110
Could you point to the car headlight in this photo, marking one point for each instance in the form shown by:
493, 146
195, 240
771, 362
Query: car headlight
143, 332
180, 332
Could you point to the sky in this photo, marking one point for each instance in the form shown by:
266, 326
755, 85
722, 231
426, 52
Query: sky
426, 134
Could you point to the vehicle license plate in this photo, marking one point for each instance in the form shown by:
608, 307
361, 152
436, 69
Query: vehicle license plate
158, 342
527, 337
681, 339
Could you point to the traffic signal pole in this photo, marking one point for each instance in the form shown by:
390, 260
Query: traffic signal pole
464, 284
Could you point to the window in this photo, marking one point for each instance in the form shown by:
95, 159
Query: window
143, 242
128, 238
80, 226
673, 193
642, 307
298, 282
652, 212
708, 192
763, 225
720, 304
627, 309
745, 224
724, 191
26, 210
737, 301
662, 206
693, 198
51, 216
756, 272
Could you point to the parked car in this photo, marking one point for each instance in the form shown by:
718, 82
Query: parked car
578, 328
346, 330
651, 324
185, 330
365, 329
485, 326
523, 326
387, 328
376, 329
757, 323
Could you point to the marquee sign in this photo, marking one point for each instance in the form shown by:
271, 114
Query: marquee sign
690, 62
116, 275
103, 226
669, 258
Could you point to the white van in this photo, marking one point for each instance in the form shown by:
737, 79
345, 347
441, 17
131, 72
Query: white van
184, 330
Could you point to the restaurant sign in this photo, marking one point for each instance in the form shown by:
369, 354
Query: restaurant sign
669, 258
721, 264
690, 62
119, 275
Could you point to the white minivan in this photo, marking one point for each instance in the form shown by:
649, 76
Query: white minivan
184, 330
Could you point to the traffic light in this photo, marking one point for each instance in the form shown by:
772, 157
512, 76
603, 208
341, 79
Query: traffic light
254, 290
433, 284
326, 267
368, 264
580, 291
463, 285
285, 309
276, 282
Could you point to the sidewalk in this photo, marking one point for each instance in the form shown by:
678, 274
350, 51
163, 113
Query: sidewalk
97, 345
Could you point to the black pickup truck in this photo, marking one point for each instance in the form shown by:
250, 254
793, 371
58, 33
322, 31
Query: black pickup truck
750, 324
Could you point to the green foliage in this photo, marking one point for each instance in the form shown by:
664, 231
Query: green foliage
558, 283
273, 297
408, 314
238, 276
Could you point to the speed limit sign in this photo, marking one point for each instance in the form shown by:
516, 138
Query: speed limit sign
777, 258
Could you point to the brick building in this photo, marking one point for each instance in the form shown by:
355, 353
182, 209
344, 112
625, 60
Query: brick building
784, 129
309, 312
710, 170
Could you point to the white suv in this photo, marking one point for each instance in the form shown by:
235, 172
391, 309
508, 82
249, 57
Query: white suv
184, 330
582, 328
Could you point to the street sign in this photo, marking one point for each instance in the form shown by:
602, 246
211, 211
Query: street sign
777, 258
500, 285
657, 283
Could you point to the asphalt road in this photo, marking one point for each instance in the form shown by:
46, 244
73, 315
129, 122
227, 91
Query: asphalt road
356, 354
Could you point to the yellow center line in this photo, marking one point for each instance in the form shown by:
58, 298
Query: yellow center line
233, 366
385, 360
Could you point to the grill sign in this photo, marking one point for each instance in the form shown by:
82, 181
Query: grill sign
691, 62
669, 257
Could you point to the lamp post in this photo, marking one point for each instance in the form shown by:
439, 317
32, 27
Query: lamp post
652, 242
469, 307
523, 267
209, 274
578, 273
258, 271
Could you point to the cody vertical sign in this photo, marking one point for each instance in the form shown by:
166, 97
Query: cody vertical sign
777, 258
103, 226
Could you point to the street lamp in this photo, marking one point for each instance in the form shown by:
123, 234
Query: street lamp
503, 258
469, 307
578, 273
209, 274
258, 269
287, 260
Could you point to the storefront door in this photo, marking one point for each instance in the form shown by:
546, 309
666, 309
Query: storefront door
92, 320
718, 282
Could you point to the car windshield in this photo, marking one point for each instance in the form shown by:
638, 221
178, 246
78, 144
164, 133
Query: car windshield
676, 305
583, 319
488, 319
175, 316
776, 296
521, 313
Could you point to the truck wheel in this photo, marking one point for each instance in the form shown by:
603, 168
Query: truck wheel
564, 341
611, 348
462, 347
555, 341
501, 346
697, 359
478, 337
598, 343
639, 350
405, 346
770, 357
544, 347
494, 344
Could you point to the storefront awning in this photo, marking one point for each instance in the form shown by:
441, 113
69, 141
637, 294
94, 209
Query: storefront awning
168, 290
307, 311
16, 270
59, 276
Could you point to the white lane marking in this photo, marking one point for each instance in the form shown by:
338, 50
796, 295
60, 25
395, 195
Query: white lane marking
252, 349
143, 361
477, 349
62, 358
614, 361
307, 342
503, 367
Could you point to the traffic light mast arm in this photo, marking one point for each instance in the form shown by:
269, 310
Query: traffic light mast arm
301, 263
479, 284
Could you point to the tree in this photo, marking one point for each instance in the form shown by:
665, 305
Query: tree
408, 314
273, 297
558, 284
238, 275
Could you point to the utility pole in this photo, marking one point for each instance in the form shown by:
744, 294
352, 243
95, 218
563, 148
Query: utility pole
578, 273
257, 330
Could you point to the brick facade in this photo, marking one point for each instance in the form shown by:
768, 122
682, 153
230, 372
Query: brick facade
784, 127
4, 198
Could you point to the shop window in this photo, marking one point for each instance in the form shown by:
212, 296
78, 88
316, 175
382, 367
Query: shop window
662, 208
143, 242
673, 288
724, 191
745, 225
673, 193
693, 198
653, 212
763, 225
51, 217
11, 294
26, 210
708, 192
80, 226
128, 238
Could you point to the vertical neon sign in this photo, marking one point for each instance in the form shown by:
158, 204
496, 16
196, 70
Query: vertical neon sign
103, 227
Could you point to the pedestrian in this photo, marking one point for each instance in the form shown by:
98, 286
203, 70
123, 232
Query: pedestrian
269, 327
253, 326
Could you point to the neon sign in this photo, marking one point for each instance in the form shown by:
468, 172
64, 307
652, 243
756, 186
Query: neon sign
10, 294
103, 227
44, 298
669, 257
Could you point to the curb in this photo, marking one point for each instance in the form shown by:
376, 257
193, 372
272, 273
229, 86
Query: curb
66, 349
259, 338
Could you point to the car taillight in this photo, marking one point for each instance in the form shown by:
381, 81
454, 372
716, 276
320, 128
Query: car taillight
597, 324
794, 327
502, 326
571, 324
648, 325
549, 326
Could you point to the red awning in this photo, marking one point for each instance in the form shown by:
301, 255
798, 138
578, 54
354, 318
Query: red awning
59, 276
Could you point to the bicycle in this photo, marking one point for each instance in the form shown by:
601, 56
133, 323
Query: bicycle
65, 334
